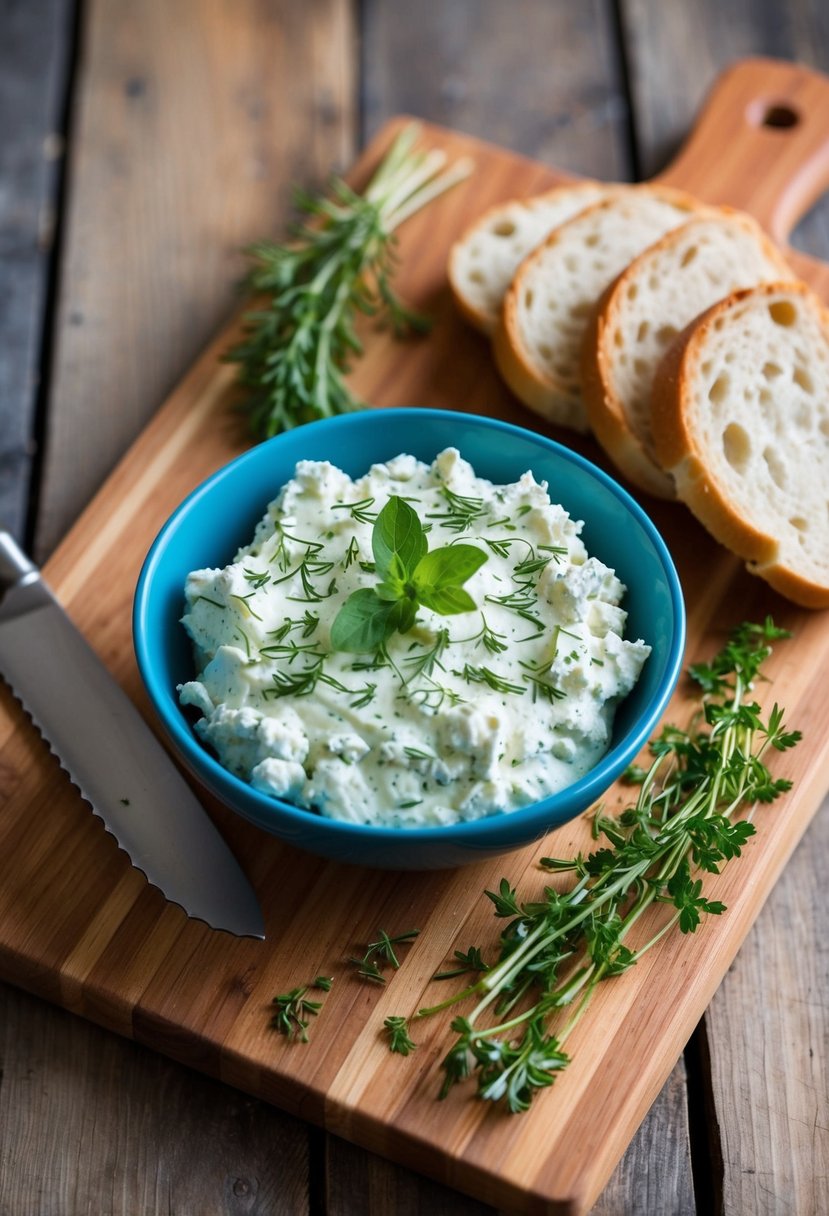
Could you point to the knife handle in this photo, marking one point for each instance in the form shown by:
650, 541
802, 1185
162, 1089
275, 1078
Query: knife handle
14, 564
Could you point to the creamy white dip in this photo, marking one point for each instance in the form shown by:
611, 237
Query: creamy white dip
463, 716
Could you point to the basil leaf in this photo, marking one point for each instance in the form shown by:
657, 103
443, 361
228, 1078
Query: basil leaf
448, 567
446, 600
397, 533
406, 615
389, 591
365, 621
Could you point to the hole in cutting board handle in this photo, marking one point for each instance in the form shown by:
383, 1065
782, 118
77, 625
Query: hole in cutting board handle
778, 115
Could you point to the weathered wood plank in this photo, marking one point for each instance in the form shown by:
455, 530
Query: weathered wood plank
767, 1026
188, 127
675, 52
34, 51
542, 79
190, 123
768, 1034
640, 1183
92, 1123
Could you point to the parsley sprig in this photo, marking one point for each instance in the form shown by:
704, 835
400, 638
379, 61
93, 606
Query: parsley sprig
410, 575
296, 347
556, 950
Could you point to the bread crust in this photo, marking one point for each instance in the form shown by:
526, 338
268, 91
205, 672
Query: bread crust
605, 410
477, 317
541, 392
522, 379
679, 453
792, 585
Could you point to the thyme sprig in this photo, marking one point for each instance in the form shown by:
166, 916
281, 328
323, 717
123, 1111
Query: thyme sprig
294, 1010
297, 346
398, 1032
556, 950
378, 953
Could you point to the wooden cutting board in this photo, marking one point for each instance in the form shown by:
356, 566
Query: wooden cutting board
79, 926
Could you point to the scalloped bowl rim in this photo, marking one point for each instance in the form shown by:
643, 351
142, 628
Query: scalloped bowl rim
528, 821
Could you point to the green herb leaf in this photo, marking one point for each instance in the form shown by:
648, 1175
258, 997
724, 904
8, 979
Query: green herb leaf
365, 621
447, 601
398, 1032
450, 566
397, 540
383, 952
409, 576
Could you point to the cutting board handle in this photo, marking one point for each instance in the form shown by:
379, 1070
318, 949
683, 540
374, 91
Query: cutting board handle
760, 142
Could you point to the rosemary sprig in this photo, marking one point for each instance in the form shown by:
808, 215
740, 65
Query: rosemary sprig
297, 346
555, 951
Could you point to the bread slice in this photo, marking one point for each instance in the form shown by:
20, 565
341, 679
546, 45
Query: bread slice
546, 310
659, 294
740, 416
483, 260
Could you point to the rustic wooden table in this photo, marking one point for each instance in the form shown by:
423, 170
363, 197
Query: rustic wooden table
141, 145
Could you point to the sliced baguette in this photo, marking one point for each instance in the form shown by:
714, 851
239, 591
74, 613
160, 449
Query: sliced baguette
659, 294
538, 341
740, 416
483, 260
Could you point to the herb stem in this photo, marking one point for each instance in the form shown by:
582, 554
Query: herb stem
686, 814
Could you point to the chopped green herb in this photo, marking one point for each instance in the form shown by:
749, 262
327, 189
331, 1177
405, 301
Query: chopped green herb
398, 1032
380, 952
410, 575
461, 511
293, 1011
556, 950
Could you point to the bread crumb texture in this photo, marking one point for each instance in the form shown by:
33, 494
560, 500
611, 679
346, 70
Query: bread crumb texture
484, 260
757, 405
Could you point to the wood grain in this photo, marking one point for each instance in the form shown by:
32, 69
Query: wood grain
174, 167
772, 1162
34, 54
449, 64
203, 999
484, 67
202, 1148
188, 129
770, 1087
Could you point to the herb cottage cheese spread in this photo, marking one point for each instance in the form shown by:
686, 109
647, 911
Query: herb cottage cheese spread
460, 717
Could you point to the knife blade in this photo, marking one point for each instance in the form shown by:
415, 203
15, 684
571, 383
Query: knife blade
112, 756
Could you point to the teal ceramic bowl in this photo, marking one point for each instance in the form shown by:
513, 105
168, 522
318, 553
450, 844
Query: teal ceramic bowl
220, 515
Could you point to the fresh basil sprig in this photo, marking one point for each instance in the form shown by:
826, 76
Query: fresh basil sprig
410, 576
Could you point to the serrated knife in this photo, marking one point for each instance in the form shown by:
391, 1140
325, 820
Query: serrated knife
112, 756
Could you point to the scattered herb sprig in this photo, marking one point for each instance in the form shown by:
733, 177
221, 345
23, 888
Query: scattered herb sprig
555, 951
398, 1032
297, 346
294, 1009
410, 575
378, 953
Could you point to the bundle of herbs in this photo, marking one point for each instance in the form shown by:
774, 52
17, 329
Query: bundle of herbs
337, 264
692, 814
